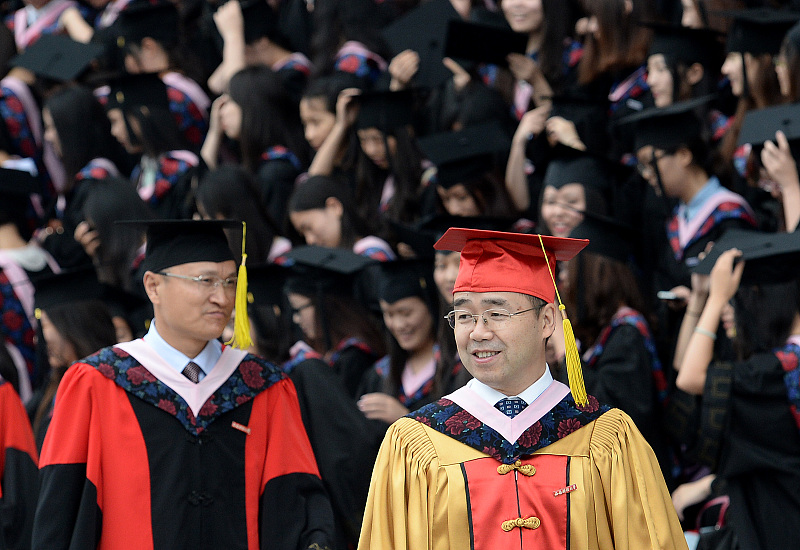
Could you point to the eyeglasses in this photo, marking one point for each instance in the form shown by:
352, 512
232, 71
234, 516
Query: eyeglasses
209, 284
297, 310
492, 318
646, 168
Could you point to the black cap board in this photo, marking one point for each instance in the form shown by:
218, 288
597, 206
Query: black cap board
759, 30
175, 242
607, 237
330, 270
688, 45
666, 127
260, 20
141, 18
385, 110
422, 236
574, 166
58, 57
407, 278
422, 30
760, 125
136, 90
17, 183
770, 257
66, 287
461, 155
483, 43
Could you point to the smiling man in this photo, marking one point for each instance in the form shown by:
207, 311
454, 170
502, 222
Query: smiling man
176, 441
515, 459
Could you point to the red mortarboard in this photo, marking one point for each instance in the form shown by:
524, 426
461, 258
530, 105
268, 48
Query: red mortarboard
495, 261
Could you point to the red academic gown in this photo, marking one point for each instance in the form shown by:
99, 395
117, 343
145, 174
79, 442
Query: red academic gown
18, 484
130, 463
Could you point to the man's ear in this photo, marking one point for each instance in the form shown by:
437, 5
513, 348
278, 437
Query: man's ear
548, 316
152, 286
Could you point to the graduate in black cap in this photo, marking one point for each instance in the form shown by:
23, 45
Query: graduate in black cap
750, 405
610, 317
74, 323
140, 111
212, 434
344, 441
21, 260
414, 372
331, 292
18, 474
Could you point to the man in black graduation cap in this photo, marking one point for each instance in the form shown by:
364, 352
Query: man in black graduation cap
205, 441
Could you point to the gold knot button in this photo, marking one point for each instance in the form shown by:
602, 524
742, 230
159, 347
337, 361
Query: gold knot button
528, 523
524, 469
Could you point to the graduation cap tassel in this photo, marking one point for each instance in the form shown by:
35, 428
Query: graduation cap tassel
241, 324
574, 369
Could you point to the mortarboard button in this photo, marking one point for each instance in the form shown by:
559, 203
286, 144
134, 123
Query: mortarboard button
760, 125
136, 90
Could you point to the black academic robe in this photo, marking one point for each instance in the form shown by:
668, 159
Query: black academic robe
18, 479
344, 441
131, 463
759, 459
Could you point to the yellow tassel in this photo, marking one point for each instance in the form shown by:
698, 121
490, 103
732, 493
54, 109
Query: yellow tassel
241, 323
574, 369
573, 359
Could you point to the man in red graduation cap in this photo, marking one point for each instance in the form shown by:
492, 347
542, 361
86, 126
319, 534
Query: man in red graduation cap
175, 441
515, 459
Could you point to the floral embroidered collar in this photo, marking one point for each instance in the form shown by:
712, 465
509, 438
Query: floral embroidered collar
253, 376
452, 420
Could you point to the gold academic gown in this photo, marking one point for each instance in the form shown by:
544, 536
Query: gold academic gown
446, 480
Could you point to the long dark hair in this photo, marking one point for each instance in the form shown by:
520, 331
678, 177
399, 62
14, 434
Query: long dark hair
315, 191
229, 191
597, 287
158, 132
764, 316
622, 42
87, 327
108, 201
270, 116
406, 167
83, 130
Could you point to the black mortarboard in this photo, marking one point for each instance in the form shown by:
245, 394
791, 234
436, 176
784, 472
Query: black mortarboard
175, 242
130, 91
318, 268
759, 30
667, 127
421, 30
770, 257
687, 44
385, 110
67, 287
422, 236
483, 43
760, 125
17, 183
58, 57
157, 20
260, 20
574, 166
406, 278
465, 154
607, 237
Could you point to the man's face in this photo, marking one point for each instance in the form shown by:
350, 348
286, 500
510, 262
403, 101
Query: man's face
508, 358
189, 313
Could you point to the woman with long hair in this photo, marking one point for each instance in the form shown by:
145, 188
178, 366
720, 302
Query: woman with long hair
322, 211
260, 115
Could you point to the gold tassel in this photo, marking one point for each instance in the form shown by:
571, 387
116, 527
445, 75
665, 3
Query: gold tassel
241, 323
574, 369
